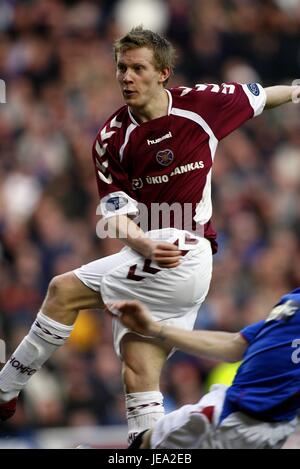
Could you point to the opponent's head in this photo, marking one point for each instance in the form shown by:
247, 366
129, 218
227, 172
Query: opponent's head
144, 61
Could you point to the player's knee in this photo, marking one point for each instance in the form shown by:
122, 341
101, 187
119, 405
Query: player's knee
60, 291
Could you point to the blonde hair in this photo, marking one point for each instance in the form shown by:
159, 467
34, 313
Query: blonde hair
163, 51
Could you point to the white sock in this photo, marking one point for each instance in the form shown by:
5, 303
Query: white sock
44, 337
144, 409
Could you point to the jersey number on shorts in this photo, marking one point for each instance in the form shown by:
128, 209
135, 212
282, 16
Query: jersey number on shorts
146, 268
152, 270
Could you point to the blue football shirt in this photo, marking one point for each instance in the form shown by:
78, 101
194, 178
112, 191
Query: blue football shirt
267, 384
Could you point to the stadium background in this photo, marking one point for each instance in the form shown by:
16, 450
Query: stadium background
56, 60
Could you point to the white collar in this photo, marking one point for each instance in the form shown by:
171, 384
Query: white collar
170, 104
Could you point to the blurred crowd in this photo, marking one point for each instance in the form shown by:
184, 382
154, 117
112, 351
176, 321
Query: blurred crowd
56, 59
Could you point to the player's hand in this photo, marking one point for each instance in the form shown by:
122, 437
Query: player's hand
165, 255
135, 316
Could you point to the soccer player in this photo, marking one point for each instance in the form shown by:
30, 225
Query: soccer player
157, 149
259, 410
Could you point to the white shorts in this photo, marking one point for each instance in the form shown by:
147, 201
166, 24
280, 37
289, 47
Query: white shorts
172, 295
196, 427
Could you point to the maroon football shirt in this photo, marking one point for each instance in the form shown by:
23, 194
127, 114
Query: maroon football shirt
162, 168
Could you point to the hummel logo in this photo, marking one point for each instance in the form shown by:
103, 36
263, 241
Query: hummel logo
152, 142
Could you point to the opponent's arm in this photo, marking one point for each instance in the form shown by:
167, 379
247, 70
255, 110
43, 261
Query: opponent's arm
218, 345
277, 95
164, 254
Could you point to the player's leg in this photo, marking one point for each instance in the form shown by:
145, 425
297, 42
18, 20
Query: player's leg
142, 361
173, 297
191, 426
65, 297
185, 428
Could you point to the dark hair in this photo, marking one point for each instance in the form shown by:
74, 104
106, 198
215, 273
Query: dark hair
163, 51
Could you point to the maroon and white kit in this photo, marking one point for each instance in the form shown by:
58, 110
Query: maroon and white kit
159, 174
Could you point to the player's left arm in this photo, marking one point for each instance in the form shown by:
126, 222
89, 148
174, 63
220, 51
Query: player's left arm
278, 95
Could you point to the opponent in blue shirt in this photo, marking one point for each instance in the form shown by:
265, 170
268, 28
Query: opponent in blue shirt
259, 410
267, 385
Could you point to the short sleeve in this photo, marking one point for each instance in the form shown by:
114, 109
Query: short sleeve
250, 332
118, 203
257, 97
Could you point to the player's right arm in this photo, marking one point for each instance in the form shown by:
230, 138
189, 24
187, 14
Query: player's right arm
164, 254
217, 345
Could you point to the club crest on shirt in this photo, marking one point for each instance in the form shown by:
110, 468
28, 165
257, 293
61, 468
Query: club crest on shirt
137, 184
165, 157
